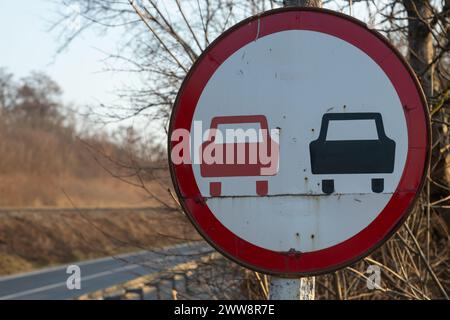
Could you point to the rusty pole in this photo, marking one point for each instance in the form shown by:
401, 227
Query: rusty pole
303, 288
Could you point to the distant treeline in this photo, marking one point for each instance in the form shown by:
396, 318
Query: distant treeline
39, 143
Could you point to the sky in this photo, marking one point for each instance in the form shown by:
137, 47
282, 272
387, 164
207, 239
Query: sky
27, 45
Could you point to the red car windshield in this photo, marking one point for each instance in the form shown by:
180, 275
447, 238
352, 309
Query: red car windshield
241, 132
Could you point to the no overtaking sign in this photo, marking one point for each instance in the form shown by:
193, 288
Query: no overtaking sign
299, 141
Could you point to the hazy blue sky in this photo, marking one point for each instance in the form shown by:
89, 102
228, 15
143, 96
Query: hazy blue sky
26, 45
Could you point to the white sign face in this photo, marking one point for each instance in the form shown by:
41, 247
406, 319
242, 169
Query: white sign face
340, 145
294, 78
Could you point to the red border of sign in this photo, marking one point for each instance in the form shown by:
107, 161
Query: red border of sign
412, 98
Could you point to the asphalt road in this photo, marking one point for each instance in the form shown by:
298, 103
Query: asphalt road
50, 283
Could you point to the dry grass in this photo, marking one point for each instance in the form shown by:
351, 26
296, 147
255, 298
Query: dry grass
35, 238
414, 264
20, 190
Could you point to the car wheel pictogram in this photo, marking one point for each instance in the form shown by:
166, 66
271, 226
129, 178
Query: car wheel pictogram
337, 157
247, 168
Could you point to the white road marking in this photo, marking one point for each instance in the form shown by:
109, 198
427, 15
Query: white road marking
92, 261
167, 251
63, 284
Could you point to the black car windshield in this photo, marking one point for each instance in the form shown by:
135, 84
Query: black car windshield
364, 129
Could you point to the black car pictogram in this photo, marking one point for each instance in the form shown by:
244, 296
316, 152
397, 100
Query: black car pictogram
373, 156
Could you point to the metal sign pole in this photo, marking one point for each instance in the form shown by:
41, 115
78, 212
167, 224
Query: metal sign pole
304, 288
291, 289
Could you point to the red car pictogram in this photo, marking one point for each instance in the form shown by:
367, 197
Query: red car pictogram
248, 158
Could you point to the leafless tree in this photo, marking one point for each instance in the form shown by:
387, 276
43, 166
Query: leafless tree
161, 40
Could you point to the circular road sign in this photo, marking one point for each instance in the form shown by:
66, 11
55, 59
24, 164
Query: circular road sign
308, 141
